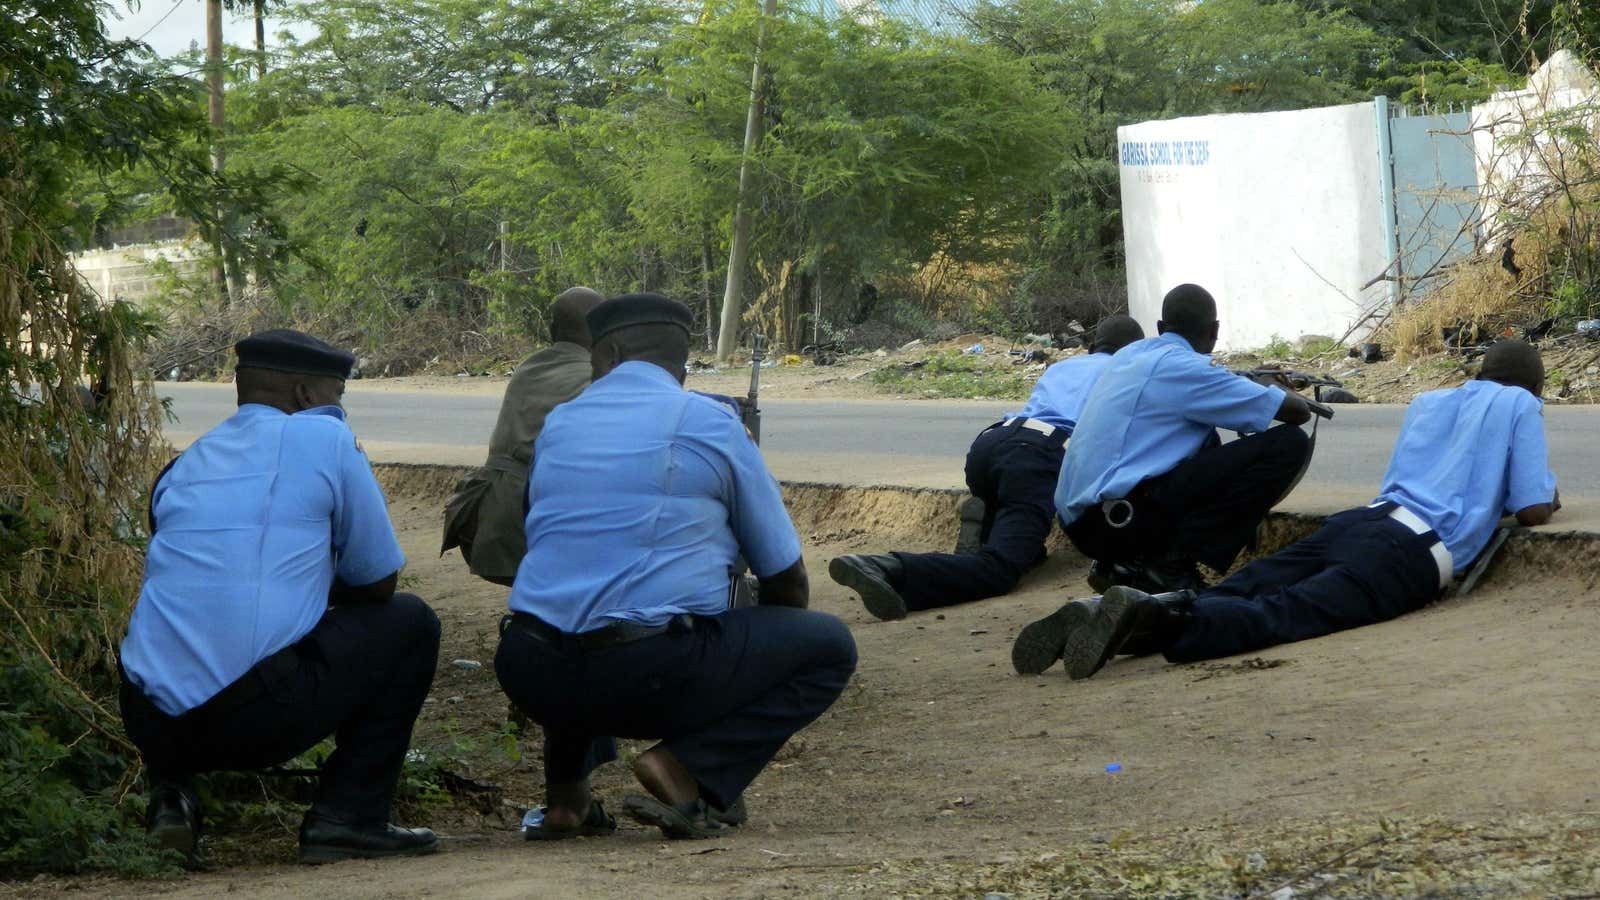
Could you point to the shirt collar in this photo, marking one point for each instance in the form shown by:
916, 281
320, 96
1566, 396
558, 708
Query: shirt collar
1172, 337
256, 410
638, 368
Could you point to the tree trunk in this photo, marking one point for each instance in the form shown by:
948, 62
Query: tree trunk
739, 248
219, 274
261, 38
705, 294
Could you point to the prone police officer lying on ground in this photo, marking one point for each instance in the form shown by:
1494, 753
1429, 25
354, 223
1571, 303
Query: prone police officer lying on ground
268, 618
1011, 470
485, 516
1465, 457
1147, 488
642, 496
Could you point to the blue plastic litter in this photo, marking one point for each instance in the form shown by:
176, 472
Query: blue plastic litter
1114, 767
975, 349
533, 818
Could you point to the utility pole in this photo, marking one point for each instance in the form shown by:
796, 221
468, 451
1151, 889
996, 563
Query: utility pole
739, 250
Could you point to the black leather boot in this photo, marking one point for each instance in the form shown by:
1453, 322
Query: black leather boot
1125, 614
874, 578
325, 840
172, 820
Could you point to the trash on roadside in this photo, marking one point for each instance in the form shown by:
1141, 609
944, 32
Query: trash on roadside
975, 349
1589, 327
1113, 768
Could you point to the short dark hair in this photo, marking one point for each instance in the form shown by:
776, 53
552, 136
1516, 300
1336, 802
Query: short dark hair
1515, 363
1115, 332
1188, 309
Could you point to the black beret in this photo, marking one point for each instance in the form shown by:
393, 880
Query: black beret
286, 350
629, 310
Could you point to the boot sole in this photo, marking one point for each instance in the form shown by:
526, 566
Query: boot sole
1090, 647
316, 856
1041, 643
880, 599
969, 539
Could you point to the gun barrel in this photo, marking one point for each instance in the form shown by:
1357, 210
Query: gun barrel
757, 354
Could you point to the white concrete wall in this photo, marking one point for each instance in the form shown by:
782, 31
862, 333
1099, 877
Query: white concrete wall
1522, 139
1279, 215
126, 273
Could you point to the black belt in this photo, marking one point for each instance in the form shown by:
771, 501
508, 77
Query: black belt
596, 639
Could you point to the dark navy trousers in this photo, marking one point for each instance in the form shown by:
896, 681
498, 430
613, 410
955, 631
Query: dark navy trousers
723, 695
1013, 470
360, 675
1359, 568
1206, 509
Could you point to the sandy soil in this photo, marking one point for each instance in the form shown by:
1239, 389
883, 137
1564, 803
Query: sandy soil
1449, 753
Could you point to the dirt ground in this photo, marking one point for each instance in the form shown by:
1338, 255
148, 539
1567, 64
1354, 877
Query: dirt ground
1449, 753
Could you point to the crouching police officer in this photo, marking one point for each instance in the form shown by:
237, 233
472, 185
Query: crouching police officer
1465, 457
642, 495
1012, 470
268, 618
1147, 488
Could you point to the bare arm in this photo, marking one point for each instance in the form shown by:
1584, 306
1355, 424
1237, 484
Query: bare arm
1293, 409
377, 592
1539, 513
790, 587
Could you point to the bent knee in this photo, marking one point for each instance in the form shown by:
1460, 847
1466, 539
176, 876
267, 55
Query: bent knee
415, 618
836, 646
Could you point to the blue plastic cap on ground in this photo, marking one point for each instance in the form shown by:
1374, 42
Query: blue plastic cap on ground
1114, 767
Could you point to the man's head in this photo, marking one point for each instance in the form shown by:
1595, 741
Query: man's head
1115, 332
570, 313
1515, 363
645, 327
290, 370
1190, 311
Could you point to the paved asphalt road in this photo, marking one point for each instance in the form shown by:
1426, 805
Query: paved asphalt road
914, 442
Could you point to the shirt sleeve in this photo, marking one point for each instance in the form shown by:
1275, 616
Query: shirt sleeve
1529, 480
1217, 398
364, 544
760, 522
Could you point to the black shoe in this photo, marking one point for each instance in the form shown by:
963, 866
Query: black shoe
172, 820
1125, 613
1039, 644
325, 840
1104, 575
1167, 577
970, 538
872, 578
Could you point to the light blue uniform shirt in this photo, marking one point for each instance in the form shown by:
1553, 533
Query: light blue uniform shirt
1059, 394
253, 522
641, 496
1465, 457
1153, 407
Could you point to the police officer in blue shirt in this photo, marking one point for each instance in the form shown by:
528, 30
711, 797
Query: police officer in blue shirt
642, 495
1147, 488
1465, 457
1012, 470
268, 618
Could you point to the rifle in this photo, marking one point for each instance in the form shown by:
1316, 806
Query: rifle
742, 588
1299, 381
750, 409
